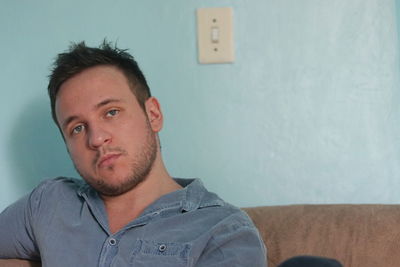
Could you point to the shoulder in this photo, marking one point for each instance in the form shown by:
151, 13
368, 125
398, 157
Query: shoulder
52, 190
230, 236
60, 185
212, 205
63, 182
228, 219
215, 214
208, 206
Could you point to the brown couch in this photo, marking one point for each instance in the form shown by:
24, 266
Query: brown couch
356, 235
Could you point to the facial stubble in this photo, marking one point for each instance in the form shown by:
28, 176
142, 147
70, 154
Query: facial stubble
140, 167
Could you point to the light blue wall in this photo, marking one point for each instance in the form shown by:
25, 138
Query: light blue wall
308, 112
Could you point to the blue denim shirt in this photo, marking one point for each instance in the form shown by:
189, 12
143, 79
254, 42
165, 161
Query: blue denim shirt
63, 222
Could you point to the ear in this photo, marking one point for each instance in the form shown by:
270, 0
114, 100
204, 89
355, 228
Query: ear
154, 114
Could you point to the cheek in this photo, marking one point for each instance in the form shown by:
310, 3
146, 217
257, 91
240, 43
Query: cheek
129, 132
135, 138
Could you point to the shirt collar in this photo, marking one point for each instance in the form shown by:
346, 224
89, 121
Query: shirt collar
192, 196
196, 195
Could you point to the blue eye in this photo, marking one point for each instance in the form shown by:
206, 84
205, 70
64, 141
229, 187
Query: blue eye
78, 129
112, 112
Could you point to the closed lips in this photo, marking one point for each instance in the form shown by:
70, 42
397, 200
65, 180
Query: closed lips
107, 159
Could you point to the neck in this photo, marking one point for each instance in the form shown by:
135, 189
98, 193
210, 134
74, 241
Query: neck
125, 208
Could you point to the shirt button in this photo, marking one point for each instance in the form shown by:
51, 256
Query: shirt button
162, 247
112, 241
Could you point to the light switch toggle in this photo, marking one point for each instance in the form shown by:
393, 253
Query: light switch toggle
215, 35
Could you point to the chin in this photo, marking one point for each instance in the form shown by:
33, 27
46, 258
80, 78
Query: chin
114, 186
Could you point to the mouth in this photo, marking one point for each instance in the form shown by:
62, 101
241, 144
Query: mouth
107, 160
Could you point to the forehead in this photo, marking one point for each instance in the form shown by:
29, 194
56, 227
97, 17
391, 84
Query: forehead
90, 87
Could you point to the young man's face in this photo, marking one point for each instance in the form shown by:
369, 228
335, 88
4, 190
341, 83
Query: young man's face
110, 139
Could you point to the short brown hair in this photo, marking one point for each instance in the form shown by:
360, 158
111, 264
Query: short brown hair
79, 57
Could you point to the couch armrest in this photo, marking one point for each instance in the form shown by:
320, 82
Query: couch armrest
18, 263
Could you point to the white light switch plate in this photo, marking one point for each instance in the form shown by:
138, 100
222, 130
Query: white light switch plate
215, 35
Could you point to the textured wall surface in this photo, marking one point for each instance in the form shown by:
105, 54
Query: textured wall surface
308, 112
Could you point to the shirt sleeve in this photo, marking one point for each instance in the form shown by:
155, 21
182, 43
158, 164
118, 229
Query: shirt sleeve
17, 239
233, 245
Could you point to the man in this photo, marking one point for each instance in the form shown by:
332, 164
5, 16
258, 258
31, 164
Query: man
128, 211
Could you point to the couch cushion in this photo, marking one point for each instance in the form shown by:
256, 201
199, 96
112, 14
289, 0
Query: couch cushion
356, 235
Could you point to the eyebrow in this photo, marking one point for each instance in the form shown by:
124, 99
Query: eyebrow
97, 106
107, 101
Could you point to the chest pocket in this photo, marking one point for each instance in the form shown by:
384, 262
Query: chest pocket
152, 253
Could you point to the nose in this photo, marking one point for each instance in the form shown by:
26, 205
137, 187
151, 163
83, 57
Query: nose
97, 137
